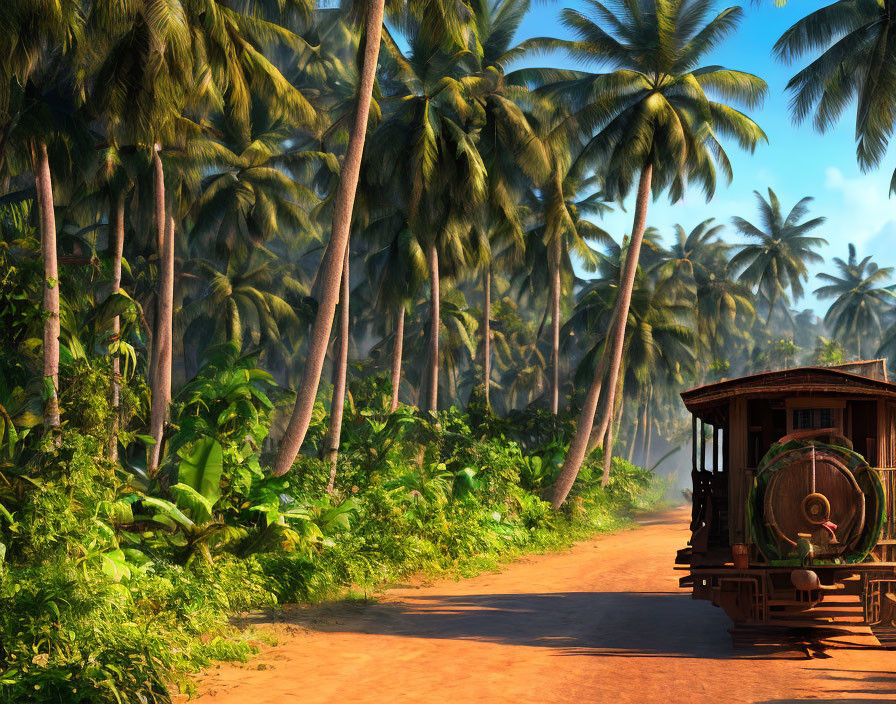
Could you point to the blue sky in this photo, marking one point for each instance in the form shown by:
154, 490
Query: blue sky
796, 162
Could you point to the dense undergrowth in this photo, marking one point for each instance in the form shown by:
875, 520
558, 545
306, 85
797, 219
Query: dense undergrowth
114, 585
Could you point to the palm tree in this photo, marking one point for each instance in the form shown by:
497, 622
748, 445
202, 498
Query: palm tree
861, 301
397, 263
776, 261
334, 258
235, 305
185, 55
652, 118
855, 61
660, 335
429, 142
249, 200
35, 92
699, 260
513, 155
566, 231
444, 17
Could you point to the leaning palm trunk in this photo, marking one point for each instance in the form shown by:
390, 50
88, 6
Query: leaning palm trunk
396, 357
160, 389
44, 185
432, 400
597, 434
332, 263
576, 454
487, 334
615, 421
338, 403
117, 253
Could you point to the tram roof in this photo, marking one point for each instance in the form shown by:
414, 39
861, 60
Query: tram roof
864, 378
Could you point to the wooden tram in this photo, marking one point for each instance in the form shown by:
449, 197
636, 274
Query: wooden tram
794, 499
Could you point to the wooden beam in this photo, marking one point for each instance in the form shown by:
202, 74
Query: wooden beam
739, 476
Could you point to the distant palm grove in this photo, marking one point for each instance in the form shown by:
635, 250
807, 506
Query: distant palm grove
277, 280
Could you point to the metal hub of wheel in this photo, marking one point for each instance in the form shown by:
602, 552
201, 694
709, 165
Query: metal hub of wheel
816, 508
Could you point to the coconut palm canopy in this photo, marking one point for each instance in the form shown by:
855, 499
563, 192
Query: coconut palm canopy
780, 248
484, 192
271, 271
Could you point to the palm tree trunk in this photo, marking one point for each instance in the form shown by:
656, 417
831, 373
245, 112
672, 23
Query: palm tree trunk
432, 400
338, 403
596, 435
636, 428
332, 263
613, 430
555, 327
773, 301
160, 389
396, 357
158, 176
43, 182
648, 432
644, 417
117, 253
487, 334
576, 454
452, 384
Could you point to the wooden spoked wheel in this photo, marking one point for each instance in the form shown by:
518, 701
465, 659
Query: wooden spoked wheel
815, 496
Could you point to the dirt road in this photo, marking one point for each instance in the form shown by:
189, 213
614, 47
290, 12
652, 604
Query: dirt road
604, 622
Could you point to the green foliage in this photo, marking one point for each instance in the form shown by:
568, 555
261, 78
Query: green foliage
97, 606
828, 352
89, 610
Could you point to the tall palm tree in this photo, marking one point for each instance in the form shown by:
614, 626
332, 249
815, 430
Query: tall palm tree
861, 300
651, 118
429, 142
397, 264
699, 260
564, 205
776, 262
444, 17
184, 55
36, 79
856, 61
334, 258
513, 155
660, 334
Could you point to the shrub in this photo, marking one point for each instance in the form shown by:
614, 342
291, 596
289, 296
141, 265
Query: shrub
115, 584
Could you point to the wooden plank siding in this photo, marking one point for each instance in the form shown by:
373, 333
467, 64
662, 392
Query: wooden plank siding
886, 469
739, 475
750, 413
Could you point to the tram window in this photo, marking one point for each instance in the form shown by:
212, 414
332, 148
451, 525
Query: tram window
813, 418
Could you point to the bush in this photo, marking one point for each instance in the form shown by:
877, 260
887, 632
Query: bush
116, 584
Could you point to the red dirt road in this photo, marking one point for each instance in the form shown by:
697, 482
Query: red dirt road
604, 622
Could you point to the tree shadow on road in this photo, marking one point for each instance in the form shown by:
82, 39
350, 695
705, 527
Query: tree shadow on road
855, 682
611, 624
